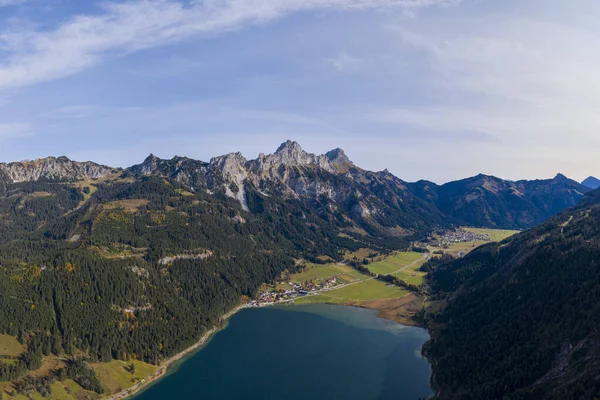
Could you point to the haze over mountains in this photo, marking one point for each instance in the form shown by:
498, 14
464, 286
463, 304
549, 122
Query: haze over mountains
591, 182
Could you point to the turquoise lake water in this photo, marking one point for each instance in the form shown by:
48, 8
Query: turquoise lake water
303, 352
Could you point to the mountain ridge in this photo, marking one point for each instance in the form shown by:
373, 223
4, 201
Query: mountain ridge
331, 183
58, 168
485, 200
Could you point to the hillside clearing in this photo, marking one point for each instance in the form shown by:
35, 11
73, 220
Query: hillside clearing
10, 346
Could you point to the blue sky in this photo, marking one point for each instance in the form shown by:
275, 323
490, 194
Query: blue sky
433, 89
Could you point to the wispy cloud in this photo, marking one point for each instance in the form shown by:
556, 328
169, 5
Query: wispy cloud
14, 130
6, 3
525, 81
345, 63
74, 112
122, 28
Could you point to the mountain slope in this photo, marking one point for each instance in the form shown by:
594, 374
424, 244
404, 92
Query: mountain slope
487, 201
591, 183
522, 316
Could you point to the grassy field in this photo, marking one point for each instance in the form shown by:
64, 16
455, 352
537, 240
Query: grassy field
59, 392
394, 263
115, 375
325, 271
412, 274
9, 346
360, 254
371, 289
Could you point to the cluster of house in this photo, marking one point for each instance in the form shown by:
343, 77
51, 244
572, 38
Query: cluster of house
461, 236
277, 296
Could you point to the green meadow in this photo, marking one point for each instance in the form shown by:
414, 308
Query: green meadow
392, 264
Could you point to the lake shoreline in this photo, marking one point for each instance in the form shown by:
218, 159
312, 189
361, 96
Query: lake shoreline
164, 367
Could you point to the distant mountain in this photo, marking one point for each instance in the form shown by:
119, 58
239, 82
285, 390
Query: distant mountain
52, 168
522, 316
488, 201
591, 183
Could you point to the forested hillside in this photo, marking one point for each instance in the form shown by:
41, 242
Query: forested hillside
522, 316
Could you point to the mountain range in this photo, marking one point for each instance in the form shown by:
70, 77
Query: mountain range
374, 204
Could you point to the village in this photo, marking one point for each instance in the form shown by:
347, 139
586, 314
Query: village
460, 236
277, 294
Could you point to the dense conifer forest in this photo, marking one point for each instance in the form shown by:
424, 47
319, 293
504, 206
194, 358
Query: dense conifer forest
522, 316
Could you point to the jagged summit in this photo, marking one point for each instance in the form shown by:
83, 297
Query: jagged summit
236, 157
338, 156
289, 146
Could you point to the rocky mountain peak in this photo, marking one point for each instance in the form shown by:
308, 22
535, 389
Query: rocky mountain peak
289, 146
59, 168
232, 163
338, 156
560, 177
150, 165
291, 153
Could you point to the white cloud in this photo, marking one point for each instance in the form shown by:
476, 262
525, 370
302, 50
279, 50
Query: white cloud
86, 40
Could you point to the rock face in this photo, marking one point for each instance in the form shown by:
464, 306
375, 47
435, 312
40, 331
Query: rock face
60, 168
231, 168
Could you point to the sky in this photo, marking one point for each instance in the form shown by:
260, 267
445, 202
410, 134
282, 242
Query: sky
429, 89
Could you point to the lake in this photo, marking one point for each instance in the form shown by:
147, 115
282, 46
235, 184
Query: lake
303, 352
